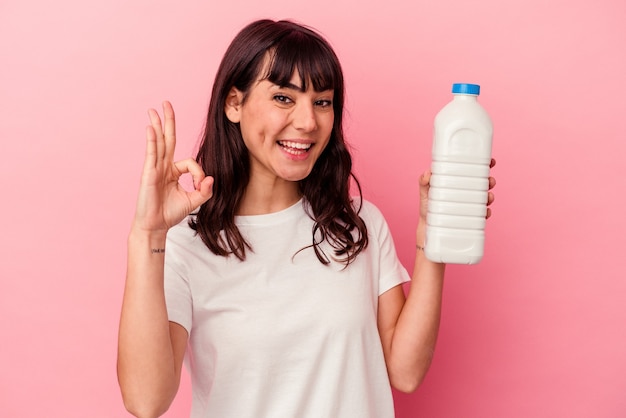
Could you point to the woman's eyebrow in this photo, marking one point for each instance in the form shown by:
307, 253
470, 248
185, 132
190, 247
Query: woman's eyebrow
291, 86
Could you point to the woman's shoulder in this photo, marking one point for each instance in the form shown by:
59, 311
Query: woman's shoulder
182, 233
366, 208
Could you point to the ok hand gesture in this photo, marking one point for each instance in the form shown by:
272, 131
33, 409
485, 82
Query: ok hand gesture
162, 201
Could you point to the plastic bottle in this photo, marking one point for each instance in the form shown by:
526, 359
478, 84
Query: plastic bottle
461, 158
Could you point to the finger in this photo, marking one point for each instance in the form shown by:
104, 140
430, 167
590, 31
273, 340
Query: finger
492, 183
490, 198
493, 163
203, 193
203, 186
169, 131
488, 215
192, 167
424, 182
155, 122
150, 157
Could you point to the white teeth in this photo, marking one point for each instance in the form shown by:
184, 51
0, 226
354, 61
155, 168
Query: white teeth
294, 151
295, 145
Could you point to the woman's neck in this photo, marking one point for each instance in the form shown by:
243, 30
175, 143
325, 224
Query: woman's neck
267, 197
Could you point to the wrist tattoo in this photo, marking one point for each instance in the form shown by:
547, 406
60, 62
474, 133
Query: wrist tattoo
157, 250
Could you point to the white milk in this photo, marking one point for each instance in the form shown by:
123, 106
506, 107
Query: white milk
457, 201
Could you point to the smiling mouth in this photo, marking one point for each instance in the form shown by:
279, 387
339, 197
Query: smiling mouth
295, 148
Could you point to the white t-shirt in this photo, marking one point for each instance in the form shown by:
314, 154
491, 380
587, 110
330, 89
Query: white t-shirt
281, 335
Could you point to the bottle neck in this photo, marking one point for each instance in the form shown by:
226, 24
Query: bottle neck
461, 96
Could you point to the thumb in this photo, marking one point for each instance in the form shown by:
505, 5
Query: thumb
203, 192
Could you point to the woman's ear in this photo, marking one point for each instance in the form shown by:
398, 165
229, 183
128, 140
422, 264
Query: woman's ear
232, 107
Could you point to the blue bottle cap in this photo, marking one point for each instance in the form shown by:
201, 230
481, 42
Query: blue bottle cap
464, 88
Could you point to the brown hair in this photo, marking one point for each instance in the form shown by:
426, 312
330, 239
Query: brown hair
223, 155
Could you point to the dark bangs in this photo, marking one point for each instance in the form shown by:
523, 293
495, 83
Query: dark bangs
313, 60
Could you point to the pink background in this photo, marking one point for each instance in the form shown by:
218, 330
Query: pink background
538, 329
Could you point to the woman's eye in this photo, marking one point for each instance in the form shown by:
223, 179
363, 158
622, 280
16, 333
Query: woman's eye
282, 99
324, 103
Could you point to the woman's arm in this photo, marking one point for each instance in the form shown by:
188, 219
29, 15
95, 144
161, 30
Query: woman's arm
409, 326
150, 348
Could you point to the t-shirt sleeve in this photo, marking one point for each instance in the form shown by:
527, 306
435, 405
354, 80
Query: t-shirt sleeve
392, 272
177, 294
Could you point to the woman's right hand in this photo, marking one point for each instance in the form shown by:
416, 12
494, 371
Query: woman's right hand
162, 201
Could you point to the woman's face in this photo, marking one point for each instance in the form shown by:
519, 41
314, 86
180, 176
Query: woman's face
284, 129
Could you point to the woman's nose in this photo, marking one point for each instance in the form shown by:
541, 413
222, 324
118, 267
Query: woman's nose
304, 118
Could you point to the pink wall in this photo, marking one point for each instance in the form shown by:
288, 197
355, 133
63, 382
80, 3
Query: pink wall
538, 329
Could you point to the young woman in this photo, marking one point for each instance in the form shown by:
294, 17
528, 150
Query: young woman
281, 291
